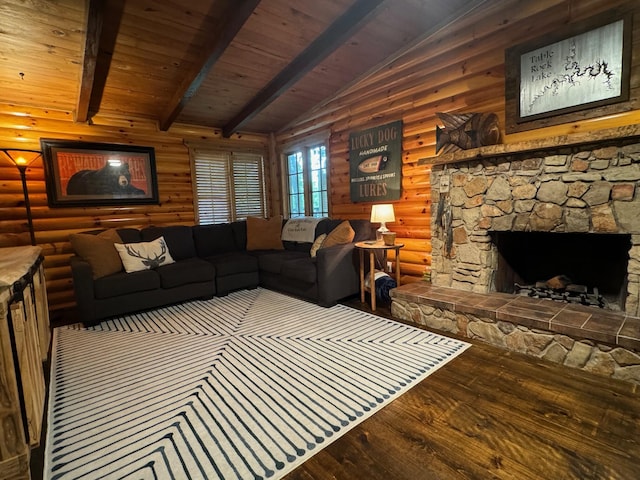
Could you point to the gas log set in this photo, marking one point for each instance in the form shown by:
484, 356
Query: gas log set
562, 289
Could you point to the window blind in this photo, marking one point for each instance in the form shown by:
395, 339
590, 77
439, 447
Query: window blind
229, 186
248, 185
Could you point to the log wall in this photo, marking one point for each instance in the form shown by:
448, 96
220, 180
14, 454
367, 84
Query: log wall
458, 69
23, 128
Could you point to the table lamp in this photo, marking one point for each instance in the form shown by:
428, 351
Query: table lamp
382, 213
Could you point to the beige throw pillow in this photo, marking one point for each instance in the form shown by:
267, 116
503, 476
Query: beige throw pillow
99, 251
317, 244
264, 234
343, 233
144, 255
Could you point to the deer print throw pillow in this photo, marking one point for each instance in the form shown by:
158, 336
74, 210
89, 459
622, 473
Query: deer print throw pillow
144, 255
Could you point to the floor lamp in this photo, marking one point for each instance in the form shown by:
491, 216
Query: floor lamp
22, 158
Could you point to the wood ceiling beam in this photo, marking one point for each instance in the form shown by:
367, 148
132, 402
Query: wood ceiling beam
333, 37
94, 22
234, 17
103, 24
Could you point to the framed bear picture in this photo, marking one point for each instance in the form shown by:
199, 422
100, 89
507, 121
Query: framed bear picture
81, 174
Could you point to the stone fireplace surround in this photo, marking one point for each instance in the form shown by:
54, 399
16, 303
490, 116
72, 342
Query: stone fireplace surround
581, 183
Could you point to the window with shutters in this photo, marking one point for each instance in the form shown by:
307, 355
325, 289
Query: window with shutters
229, 186
307, 182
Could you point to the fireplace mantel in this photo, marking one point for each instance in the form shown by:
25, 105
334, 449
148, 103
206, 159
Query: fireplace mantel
599, 138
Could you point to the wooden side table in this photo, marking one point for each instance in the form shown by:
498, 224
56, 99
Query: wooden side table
372, 248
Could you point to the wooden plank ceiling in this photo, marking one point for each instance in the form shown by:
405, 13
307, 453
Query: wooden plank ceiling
250, 65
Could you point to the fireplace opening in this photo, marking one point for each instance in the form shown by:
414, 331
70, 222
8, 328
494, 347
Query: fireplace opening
587, 268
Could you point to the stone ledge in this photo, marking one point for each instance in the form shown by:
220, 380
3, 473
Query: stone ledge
577, 321
603, 342
611, 135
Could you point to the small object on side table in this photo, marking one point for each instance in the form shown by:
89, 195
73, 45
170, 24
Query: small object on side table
372, 249
389, 238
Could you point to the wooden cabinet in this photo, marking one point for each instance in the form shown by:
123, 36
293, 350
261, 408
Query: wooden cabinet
24, 345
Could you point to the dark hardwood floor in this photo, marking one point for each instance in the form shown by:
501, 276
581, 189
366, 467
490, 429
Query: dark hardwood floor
492, 414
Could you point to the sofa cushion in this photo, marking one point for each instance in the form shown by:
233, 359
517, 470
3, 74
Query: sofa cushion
298, 246
179, 239
123, 283
264, 234
272, 262
343, 233
240, 234
213, 239
302, 269
326, 225
184, 272
364, 230
99, 251
130, 235
233, 262
144, 255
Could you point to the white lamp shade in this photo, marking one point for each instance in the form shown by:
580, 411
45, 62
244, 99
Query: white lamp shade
382, 213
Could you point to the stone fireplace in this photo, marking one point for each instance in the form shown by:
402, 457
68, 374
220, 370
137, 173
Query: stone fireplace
522, 216
514, 214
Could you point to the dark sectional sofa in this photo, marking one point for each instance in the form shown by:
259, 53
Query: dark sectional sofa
212, 260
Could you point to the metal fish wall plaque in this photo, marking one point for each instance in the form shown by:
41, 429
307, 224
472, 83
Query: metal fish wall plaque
466, 130
373, 164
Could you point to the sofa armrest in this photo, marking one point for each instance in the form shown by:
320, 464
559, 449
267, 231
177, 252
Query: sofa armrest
338, 273
83, 287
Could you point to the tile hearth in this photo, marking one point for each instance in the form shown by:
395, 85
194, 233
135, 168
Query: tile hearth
601, 341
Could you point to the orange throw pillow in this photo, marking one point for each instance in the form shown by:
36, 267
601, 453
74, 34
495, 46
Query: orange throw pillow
343, 233
99, 251
264, 234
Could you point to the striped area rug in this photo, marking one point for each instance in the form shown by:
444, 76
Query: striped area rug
246, 386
